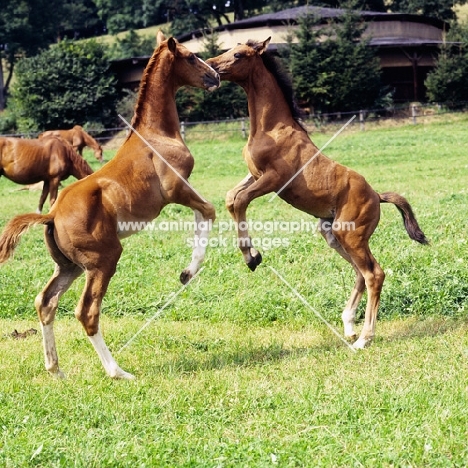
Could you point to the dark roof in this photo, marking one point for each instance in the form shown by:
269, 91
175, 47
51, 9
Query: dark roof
292, 15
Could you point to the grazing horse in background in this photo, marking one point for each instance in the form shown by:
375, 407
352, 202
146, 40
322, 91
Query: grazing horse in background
78, 138
281, 158
50, 160
85, 226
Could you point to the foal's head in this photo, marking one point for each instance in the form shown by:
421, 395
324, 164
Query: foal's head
235, 64
188, 69
249, 61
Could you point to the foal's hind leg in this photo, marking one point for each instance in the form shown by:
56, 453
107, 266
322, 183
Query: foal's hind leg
356, 246
46, 305
252, 257
349, 313
99, 272
47, 301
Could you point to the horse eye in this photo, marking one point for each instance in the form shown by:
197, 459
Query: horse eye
237, 55
192, 58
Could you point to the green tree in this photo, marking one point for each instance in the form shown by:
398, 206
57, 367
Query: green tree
120, 15
332, 66
441, 9
131, 45
67, 84
80, 16
29, 26
448, 82
188, 15
26, 26
154, 12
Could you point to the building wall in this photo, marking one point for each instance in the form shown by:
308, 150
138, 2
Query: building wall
403, 30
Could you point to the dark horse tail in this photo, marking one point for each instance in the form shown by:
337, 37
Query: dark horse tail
11, 235
409, 220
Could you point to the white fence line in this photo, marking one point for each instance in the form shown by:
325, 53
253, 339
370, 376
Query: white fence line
411, 112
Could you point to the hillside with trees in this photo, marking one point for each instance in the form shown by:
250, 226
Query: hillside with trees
29, 28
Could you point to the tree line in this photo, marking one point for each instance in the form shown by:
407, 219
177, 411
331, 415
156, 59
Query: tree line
60, 81
30, 26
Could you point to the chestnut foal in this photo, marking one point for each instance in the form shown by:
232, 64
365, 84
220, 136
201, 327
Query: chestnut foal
281, 158
82, 229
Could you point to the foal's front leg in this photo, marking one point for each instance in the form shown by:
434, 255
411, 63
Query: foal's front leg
252, 257
200, 242
237, 201
205, 215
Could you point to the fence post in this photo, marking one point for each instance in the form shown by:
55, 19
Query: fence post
182, 130
361, 120
413, 113
243, 127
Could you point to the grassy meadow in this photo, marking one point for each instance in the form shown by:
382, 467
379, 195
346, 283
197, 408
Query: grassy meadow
236, 371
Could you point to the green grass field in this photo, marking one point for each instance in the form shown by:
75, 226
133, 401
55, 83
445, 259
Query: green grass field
236, 371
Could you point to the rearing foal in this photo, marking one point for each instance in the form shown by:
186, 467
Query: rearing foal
279, 151
82, 229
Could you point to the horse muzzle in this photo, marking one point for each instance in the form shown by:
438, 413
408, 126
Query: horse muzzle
223, 74
211, 82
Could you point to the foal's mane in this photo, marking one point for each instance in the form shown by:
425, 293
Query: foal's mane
143, 85
283, 79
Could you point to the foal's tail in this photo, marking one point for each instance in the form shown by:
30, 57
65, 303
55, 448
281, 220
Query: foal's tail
409, 220
10, 236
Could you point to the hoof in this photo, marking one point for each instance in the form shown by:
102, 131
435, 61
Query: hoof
362, 343
255, 261
58, 374
122, 375
185, 276
351, 338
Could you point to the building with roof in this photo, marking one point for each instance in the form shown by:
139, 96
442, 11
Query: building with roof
407, 45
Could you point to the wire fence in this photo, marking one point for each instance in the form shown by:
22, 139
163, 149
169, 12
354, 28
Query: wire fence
413, 113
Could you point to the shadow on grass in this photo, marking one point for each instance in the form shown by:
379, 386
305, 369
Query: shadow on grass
244, 357
424, 327
248, 355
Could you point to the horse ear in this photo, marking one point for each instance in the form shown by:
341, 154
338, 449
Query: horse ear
171, 43
262, 46
160, 37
